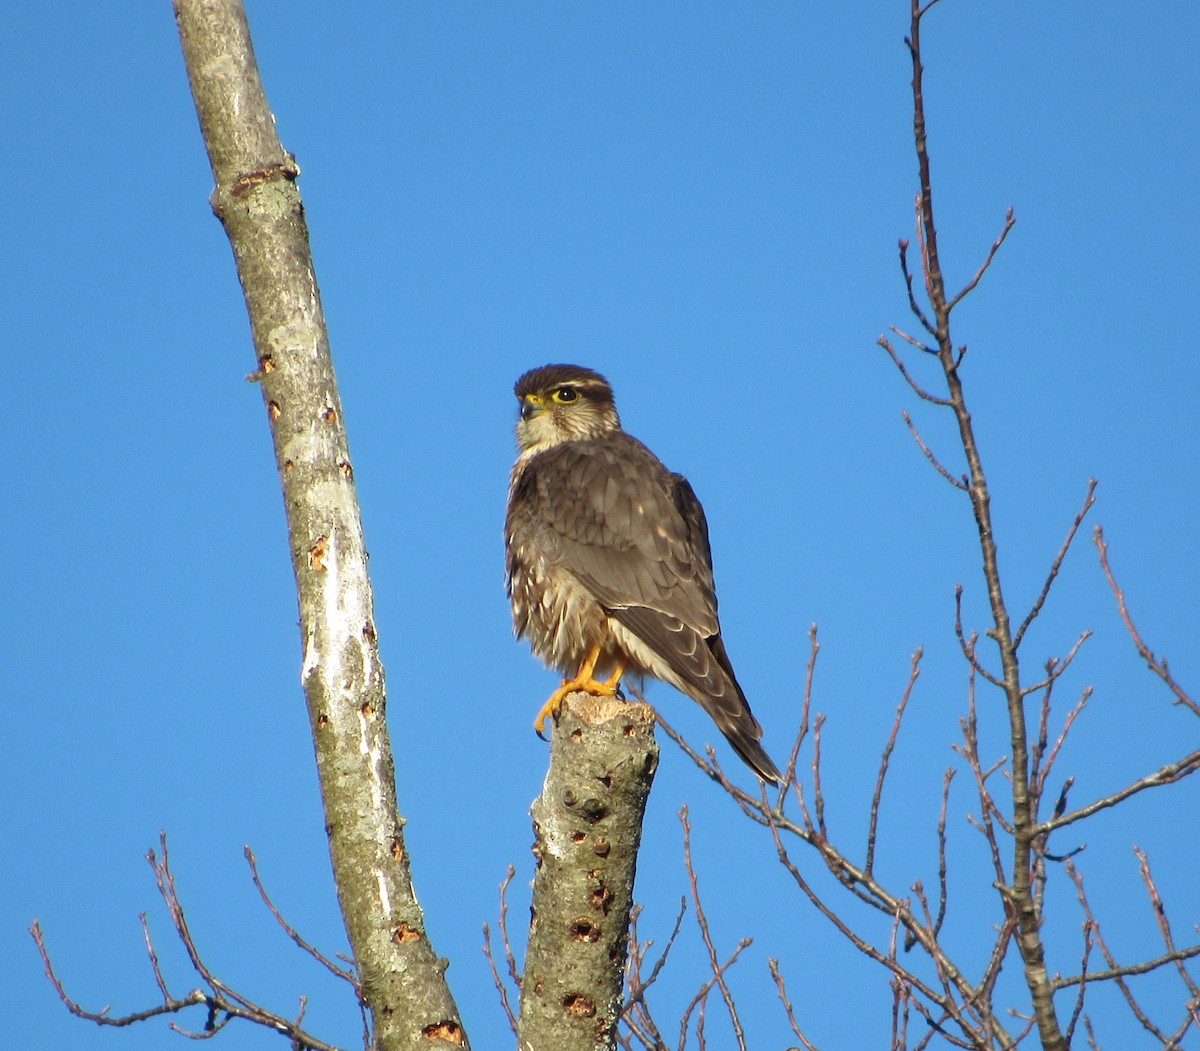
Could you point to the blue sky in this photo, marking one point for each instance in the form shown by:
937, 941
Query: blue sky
703, 202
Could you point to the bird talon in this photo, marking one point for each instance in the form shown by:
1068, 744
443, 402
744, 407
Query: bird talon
550, 709
584, 682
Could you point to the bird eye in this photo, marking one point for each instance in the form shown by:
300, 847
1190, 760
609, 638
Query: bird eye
566, 394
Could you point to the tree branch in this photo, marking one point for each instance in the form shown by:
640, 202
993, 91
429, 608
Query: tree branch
290, 931
588, 824
1159, 667
222, 1004
1165, 775
1020, 896
1056, 565
714, 963
258, 203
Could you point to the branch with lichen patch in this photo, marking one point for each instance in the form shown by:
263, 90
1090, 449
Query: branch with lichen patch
588, 826
258, 203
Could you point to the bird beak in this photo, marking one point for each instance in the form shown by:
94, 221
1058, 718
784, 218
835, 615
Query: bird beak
531, 405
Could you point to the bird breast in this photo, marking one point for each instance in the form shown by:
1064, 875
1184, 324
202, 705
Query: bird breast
551, 609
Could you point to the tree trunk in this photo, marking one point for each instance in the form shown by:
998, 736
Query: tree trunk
257, 201
588, 824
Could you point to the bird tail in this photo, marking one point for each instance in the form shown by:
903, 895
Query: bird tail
740, 727
754, 756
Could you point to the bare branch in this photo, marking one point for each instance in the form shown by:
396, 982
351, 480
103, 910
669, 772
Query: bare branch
221, 1003
497, 981
920, 391
1114, 973
818, 794
340, 972
170, 1004
1083, 971
699, 1001
873, 825
882, 901
1009, 223
987, 804
787, 1005
159, 980
506, 944
918, 313
712, 768
636, 1018
1159, 667
942, 866
1068, 722
1164, 775
509, 960
637, 989
968, 645
1056, 565
1055, 668
717, 969
814, 647
958, 483
1021, 894
1164, 924
1176, 956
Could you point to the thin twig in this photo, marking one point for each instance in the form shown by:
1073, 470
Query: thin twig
943, 868
1115, 973
702, 920
221, 1003
818, 794
884, 759
918, 313
1164, 775
501, 989
1056, 667
968, 645
509, 959
1083, 972
170, 1004
1009, 223
958, 483
1159, 667
1056, 565
776, 974
814, 648
987, 804
920, 391
315, 953
661, 962
1164, 924
1068, 722
635, 1013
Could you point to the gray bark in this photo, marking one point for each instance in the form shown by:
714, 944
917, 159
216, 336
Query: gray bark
257, 201
588, 824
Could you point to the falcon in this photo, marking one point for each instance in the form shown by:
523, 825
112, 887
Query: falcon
608, 564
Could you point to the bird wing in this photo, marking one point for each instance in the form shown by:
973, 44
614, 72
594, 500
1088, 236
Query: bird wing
624, 526
636, 537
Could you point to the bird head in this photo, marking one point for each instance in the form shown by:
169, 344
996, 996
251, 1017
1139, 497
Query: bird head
562, 403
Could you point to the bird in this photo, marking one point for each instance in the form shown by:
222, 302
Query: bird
607, 558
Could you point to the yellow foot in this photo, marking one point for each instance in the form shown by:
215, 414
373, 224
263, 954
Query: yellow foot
585, 682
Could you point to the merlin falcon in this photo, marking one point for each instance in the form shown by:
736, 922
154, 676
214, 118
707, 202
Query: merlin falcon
608, 564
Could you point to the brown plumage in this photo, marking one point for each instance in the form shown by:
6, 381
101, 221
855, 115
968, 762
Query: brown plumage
608, 562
